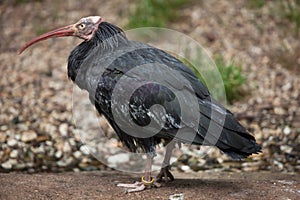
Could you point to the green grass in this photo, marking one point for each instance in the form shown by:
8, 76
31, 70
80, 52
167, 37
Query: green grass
16, 2
291, 10
232, 78
154, 13
254, 4
285, 9
231, 75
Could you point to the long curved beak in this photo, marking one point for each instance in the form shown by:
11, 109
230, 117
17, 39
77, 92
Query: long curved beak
60, 32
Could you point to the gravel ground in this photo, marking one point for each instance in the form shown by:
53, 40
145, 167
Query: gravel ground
37, 129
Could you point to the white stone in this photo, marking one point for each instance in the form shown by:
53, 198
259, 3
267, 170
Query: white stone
67, 148
185, 168
286, 148
65, 162
9, 163
85, 150
118, 158
28, 136
49, 143
287, 86
255, 50
58, 154
176, 197
6, 165
77, 154
287, 130
63, 129
14, 153
12, 142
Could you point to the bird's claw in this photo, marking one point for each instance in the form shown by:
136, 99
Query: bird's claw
137, 186
165, 175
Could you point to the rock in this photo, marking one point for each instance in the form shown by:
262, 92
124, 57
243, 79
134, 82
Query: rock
278, 164
49, 143
2, 137
185, 168
77, 154
279, 111
18, 137
118, 158
28, 136
287, 130
42, 138
20, 166
65, 162
58, 154
255, 50
85, 150
49, 128
63, 129
176, 197
286, 86
6, 165
251, 166
76, 170
196, 164
23, 127
12, 142
67, 148
14, 153
286, 148
3, 128
72, 142
9, 163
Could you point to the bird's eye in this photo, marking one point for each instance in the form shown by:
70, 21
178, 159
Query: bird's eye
81, 26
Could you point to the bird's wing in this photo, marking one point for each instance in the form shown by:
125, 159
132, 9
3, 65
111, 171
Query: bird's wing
136, 80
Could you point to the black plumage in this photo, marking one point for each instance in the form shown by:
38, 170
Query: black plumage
97, 66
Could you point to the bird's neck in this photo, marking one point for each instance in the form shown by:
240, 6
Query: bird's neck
107, 38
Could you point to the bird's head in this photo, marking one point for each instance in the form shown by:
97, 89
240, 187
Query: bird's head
85, 29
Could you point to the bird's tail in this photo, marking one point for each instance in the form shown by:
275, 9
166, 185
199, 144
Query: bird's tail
219, 127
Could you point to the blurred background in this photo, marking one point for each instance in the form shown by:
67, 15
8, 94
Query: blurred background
255, 45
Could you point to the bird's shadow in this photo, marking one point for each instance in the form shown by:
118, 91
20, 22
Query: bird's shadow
203, 183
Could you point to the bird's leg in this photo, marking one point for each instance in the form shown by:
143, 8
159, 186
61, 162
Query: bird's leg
164, 173
147, 180
147, 177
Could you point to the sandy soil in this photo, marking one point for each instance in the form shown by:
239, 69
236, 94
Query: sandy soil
102, 185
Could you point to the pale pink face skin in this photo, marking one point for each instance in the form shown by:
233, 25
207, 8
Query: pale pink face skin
85, 29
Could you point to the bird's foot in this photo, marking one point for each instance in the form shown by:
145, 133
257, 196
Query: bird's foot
135, 187
165, 175
139, 186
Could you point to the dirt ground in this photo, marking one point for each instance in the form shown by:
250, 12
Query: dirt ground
102, 185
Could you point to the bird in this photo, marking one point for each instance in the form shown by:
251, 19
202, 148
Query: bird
147, 107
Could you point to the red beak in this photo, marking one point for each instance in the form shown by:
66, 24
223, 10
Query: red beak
60, 32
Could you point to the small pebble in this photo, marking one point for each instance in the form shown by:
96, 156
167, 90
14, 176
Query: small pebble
28, 136
13, 153
118, 158
12, 142
63, 129
176, 197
